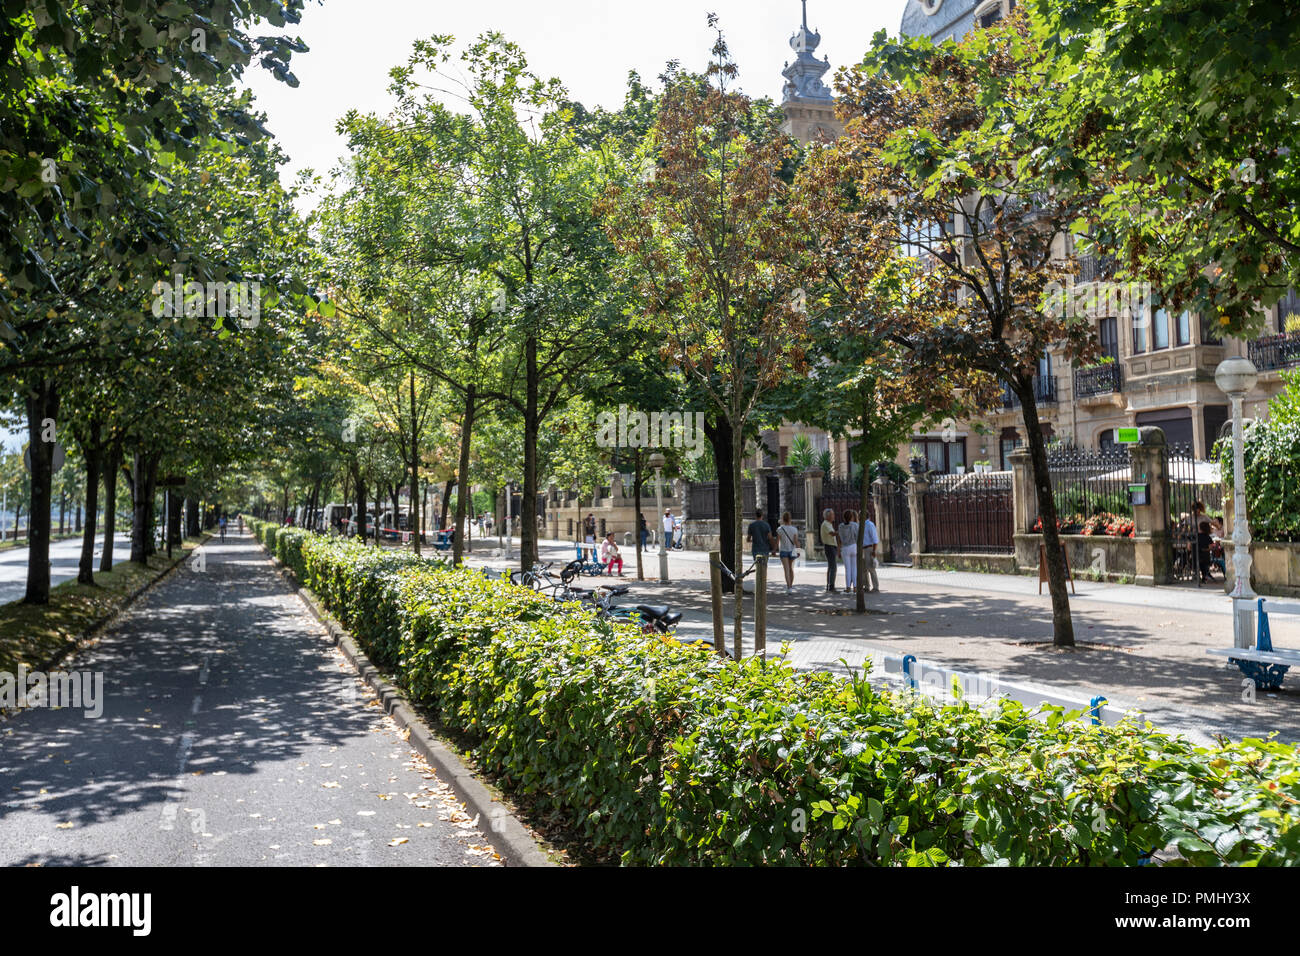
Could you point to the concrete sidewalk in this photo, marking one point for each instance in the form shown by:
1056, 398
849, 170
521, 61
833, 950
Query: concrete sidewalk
1140, 647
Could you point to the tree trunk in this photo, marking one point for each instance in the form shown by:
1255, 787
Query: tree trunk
736, 456
191, 517
359, 488
140, 530
94, 464
415, 469
864, 501
63, 509
636, 503
42, 403
112, 465
528, 507
1062, 622
173, 519
463, 501
719, 436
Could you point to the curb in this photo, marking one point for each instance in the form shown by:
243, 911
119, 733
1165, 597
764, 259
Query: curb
515, 844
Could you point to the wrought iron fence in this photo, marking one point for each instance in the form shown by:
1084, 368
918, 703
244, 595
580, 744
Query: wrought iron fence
841, 494
1195, 498
970, 514
1087, 482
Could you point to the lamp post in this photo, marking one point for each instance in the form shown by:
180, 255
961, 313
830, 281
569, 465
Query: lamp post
657, 462
1235, 377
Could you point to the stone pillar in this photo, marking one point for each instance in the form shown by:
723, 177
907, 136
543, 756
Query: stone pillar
786, 479
880, 494
917, 486
812, 490
1024, 498
616, 487
1153, 545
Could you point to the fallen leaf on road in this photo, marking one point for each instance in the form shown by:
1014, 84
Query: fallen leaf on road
321, 842
332, 785
64, 826
398, 842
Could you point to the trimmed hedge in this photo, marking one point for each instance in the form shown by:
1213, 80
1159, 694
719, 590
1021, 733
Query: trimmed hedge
665, 754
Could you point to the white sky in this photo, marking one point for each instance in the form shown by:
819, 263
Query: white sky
589, 45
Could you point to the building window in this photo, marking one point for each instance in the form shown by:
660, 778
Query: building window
1185, 328
1108, 331
1141, 323
942, 456
1160, 330
1210, 331
1287, 306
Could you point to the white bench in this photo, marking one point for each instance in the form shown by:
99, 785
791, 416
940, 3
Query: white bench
1265, 664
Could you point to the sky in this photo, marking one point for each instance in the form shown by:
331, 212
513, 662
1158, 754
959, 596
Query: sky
590, 46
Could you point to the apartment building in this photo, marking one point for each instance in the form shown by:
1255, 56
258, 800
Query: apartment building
1158, 367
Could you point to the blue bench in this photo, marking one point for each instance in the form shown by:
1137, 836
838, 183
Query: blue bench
1265, 664
442, 540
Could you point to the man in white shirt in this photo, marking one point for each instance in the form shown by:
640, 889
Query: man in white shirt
870, 541
669, 523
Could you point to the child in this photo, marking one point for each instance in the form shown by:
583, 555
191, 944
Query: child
609, 555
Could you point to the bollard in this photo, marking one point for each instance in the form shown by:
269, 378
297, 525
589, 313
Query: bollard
760, 606
715, 586
907, 670
1094, 708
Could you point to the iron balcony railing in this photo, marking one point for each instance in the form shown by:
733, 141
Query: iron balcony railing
1275, 351
1045, 393
1098, 380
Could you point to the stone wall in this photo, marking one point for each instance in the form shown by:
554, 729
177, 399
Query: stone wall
1275, 570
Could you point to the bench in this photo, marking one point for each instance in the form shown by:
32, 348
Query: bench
1265, 664
442, 540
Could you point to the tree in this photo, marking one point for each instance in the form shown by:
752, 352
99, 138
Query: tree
948, 171
717, 253
1185, 109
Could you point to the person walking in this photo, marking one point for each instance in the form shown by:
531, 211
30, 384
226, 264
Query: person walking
830, 540
870, 542
644, 532
760, 536
848, 532
669, 524
589, 536
787, 540
222, 525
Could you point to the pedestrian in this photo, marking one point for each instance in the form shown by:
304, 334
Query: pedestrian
871, 540
848, 532
787, 539
589, 536
610, 556
669, 524
830, 540
644, 532
222, 524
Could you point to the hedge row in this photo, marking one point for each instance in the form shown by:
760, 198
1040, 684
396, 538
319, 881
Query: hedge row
665, 754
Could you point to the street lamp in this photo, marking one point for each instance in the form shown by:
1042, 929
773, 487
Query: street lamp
657, 462
1235, 377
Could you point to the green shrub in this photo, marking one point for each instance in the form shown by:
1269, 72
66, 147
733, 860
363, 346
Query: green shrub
666, 754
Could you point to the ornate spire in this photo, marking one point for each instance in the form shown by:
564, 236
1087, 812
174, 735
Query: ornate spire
804, 75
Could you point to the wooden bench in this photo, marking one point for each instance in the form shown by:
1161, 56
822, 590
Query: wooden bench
1265, 664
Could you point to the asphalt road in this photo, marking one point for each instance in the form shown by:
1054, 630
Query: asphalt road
64, 556
233, 733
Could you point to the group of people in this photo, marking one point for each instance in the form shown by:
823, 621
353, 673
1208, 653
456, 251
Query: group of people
839, 541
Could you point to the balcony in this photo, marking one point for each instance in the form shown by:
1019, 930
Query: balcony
1275, 351
1098, 380
1045, 393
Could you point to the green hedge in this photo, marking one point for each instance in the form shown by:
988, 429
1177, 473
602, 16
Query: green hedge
665, 754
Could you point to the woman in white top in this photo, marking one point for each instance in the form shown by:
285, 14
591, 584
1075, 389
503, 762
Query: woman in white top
848, 530
787, 541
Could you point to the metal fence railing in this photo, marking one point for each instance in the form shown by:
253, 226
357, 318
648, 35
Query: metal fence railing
1088, 482
970, 514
